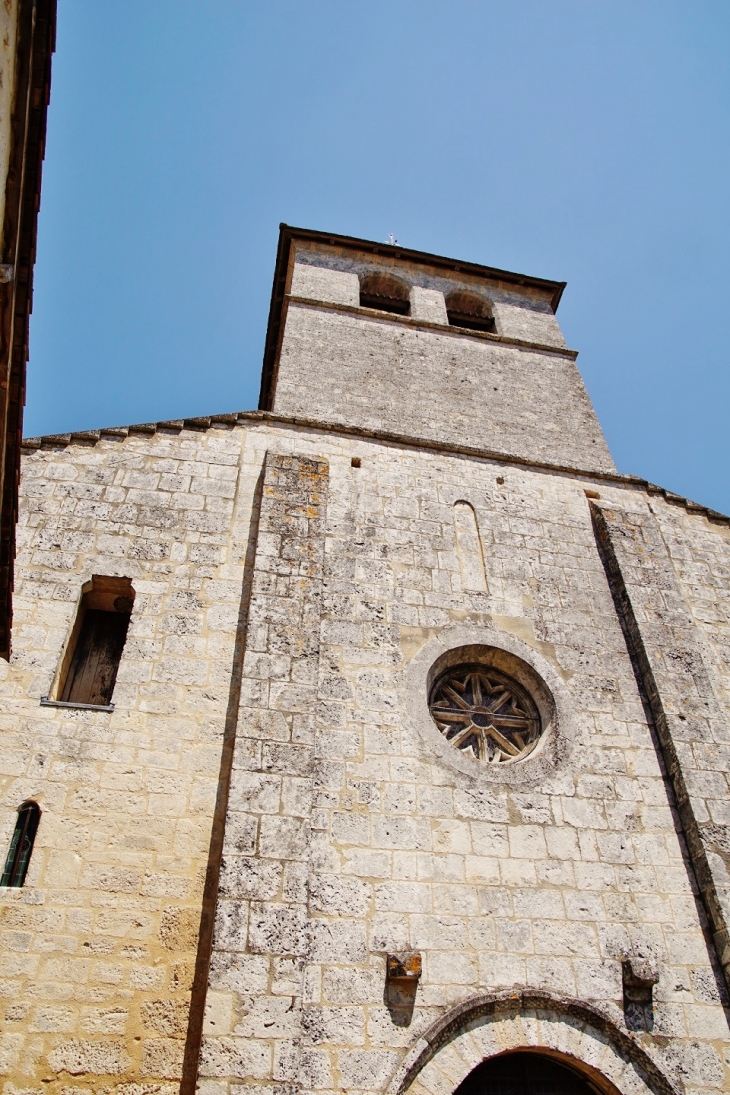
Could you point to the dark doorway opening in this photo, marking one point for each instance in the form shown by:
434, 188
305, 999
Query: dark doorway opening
525, 1074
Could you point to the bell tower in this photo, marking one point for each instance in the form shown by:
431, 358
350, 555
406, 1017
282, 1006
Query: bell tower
390, 341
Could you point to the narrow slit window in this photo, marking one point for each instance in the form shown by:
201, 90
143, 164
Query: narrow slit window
97, 641
21, 845
470, 311
386, 293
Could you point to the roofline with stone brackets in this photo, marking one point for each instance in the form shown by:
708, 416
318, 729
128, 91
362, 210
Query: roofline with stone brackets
267, 418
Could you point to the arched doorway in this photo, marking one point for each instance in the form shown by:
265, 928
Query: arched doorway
525, 1074
596, 1057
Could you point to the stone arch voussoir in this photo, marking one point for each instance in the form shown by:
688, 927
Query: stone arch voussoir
485, 1026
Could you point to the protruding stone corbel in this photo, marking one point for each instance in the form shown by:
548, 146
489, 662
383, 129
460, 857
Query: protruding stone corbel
639, 977
402, 974
404, 967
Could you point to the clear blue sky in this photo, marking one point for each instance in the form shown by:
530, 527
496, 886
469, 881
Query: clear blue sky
571, 140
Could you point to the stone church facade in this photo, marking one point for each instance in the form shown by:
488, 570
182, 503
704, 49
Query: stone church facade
416, 757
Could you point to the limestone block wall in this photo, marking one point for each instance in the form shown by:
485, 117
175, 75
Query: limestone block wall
99, 946
540, 879
700, 551
691, 729
350, 834
379, 374
521, 311
98, 949
321, 283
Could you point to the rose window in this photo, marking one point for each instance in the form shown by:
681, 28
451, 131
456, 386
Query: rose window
485, 712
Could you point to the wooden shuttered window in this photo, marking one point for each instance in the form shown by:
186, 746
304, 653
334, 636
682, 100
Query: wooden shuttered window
470, 311
386, 293
96, 658
89, 666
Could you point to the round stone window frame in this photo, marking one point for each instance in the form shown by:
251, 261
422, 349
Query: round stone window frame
492, 647
455, 677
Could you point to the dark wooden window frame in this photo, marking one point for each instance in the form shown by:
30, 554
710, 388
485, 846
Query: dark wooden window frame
17, 860
88, 669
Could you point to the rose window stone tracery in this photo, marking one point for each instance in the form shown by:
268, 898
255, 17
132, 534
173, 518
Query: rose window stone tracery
483, 711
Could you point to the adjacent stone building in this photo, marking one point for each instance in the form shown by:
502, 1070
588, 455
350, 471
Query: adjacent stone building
373, 742
27, 37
